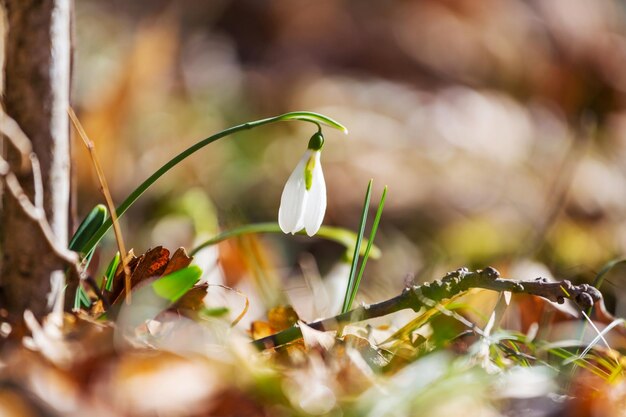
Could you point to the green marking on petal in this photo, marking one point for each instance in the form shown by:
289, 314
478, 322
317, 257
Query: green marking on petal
308, 172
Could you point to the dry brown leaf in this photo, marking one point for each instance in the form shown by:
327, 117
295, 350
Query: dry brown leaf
152, 264
179, 260
532, 309
149, 265
192, 300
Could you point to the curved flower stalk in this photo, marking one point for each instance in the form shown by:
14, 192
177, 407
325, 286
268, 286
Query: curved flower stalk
316, 118
303, 202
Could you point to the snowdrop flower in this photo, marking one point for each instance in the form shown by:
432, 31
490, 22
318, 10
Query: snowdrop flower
303, 202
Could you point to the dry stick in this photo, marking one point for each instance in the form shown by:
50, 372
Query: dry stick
36, 214
430, 294
107, 196
35, 211
17, 137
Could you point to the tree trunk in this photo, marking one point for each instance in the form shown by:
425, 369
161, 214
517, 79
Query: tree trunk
36, 95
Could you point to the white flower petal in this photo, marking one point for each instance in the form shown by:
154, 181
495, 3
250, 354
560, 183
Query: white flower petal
294, 199
315, 207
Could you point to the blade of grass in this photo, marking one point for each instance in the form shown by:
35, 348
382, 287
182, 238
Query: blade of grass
109, 274
81, 299
581, 362
96, 218
599, 337
77, 299
92, 222
370, 242
357, 249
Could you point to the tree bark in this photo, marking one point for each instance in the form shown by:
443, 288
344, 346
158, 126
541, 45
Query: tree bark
36, 95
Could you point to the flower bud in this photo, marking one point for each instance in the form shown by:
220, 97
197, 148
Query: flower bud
316, 142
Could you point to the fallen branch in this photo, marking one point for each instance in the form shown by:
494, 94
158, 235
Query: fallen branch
431, 294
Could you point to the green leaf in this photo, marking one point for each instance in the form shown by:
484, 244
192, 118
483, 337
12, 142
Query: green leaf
88, 227
340, 235
86, 230
316, 118
109, 274
350, 289
370, 241
81, 299
150, 300
214, 312
173, 286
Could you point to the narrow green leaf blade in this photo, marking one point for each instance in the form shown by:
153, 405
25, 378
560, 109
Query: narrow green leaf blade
109, 274
81, 299
88, 227
357, 248
370, 241
340, 235
312, 117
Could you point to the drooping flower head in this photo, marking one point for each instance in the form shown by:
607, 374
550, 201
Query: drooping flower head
303, 202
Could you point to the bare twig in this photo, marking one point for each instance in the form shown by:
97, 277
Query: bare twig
430, 294
12, 131
37, 182
37, 214
107, 196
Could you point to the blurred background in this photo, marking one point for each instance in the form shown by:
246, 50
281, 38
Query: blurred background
499, 127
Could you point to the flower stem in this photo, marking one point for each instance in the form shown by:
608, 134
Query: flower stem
342, 236
130, 200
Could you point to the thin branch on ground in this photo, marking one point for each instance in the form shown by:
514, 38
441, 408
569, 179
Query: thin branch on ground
430, 294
